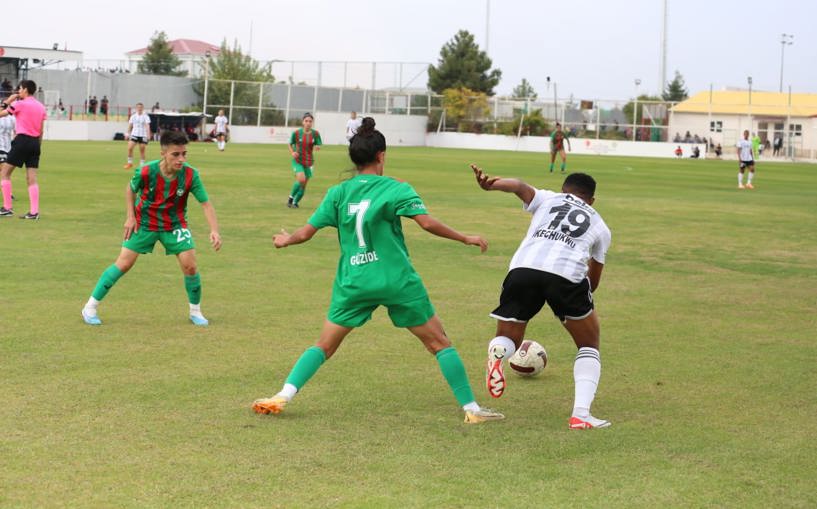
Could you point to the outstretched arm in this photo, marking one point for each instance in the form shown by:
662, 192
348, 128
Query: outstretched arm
210, 216
301, 235
524, 191
439, 229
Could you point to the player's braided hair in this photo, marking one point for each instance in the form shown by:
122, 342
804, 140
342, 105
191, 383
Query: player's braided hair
366, 144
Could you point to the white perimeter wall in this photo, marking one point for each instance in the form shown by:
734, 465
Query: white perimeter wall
541, 144
398, 129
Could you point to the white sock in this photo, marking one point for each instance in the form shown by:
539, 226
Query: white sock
195, 309
288, 391
90, 307
740, 178
749, 177
586, 374
141, 162
505, 342
130, 160
471, 407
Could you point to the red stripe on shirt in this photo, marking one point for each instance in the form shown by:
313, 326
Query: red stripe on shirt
145, 190
181, 201
308, 139
153, 208
167, 223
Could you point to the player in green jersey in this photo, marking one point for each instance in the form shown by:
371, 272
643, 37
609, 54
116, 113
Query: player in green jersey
156, 210
557, 146
301, 144
374, 269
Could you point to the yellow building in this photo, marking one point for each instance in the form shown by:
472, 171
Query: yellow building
722, 116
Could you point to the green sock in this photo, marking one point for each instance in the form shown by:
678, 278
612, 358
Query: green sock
193, 286
299, 195
308, 364
454, 373
563, 166
106, 282
295, 188
551, 166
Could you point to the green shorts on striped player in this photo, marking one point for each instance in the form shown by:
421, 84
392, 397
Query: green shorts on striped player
156, 211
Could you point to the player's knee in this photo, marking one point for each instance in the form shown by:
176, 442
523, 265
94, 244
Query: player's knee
436, 343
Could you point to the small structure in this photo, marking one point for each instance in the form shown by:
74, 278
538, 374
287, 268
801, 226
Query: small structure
722, 116
189, 51
15, 62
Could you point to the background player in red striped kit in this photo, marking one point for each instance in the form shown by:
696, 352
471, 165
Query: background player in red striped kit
156, 210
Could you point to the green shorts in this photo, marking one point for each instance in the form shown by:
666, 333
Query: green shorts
299, 168
405, 314
174, 242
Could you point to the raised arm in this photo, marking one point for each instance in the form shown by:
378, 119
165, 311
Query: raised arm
301, 235
524, 191
439, 229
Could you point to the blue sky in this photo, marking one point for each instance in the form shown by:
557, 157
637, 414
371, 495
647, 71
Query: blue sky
591, 49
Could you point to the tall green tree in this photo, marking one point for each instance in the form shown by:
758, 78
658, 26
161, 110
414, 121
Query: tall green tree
463, 65
231, 64
676, 89
159, 58
525, 91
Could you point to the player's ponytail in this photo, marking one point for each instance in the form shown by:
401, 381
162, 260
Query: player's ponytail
366, 144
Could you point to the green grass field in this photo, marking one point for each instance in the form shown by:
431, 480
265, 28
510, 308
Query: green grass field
707, 302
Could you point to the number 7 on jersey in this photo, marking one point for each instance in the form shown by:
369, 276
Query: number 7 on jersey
359, 211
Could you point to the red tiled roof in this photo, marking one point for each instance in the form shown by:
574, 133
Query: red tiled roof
184, 47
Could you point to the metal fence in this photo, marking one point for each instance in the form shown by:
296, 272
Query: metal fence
787, 127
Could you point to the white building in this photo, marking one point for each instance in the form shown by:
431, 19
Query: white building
722, 116
190, 52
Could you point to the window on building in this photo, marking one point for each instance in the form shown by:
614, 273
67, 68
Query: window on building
795, 129
716, 126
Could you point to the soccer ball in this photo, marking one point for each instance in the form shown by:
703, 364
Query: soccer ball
529, 360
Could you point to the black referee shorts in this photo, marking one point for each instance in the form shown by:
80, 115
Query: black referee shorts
525, 291
25, 150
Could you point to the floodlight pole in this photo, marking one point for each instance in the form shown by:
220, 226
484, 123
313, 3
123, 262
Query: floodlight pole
206, 82
749, 79
785, 40
635, 108
487, 25
663, 77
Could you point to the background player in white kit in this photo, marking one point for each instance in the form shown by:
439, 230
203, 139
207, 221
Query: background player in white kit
221, 130
559, 262
352, 125
7, 124
745, 160
138, 133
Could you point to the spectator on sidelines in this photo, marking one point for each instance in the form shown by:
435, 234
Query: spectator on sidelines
696, 152
718, 150
679, 152
103, 105
778, 144
92, 105
5, 88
